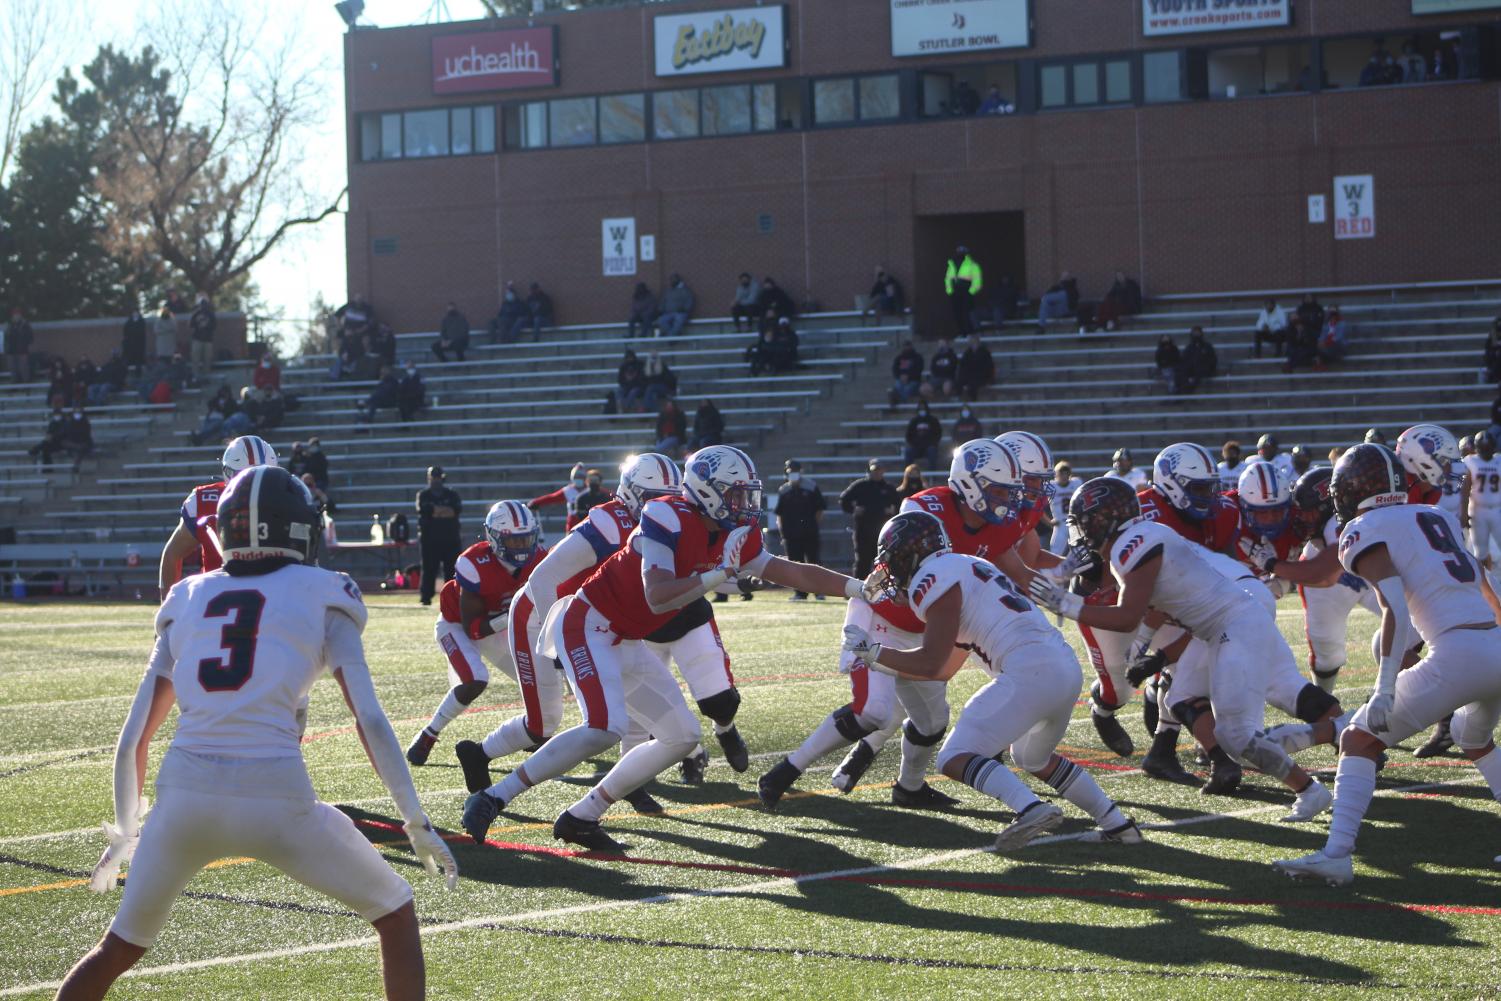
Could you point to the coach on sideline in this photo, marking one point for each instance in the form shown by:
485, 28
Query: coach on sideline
438, 510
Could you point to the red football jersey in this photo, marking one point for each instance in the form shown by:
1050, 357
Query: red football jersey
479, 571
200, 516
1419, 492
1216, 532
616, 589
607, 526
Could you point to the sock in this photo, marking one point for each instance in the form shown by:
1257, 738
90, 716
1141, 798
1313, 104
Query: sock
506, 739
449, 710
994, 779
592, 806
724, 727
1165, 742
635, 768
1079, 788
915, 762
1340, 722
558, 755
1326, 681
1354, 785
825, 739
1489, 767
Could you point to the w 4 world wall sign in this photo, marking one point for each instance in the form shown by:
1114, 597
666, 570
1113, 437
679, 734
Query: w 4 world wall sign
719, 41
619, 245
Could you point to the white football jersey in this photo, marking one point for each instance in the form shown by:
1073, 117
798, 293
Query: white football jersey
245, 651
1133, 476
1439, 578
1061, 497
995, 619
1189, 587
1230, 475
1485, 481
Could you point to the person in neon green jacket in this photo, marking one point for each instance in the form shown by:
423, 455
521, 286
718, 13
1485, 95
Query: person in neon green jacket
963, 282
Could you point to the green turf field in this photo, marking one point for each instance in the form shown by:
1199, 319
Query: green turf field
829, 897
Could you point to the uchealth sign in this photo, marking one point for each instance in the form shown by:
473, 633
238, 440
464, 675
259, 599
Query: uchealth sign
718, 41
936, 27
1182, 17
1354, 207
495, 60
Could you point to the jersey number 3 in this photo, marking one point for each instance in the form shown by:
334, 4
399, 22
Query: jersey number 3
229, 671
1441, 538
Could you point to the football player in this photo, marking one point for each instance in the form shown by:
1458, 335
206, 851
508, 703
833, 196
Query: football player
684, 547
1122, 468
1481, 498
965, 601
1157, 568
1434, 465
1064, 485
195, 526
474, 609
238, 649
1426, 582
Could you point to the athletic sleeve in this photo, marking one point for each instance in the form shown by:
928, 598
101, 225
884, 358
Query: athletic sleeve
659, 538
162, 662
189, 512
1331, 533
345, 597
602, 531
1357, 537
467, 574
563, 562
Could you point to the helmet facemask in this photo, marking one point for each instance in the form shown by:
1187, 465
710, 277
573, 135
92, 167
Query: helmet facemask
513, 548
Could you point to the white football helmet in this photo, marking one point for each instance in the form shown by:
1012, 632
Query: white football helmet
722, 481
513, 532
1429, 453
244, 452
988, 479
1266, 498
1187, 476
646, 477
1036, 460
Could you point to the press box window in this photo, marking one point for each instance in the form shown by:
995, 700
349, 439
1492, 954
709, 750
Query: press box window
1162, 76
726, 110
622, 118
880, 97
425, 133
1085, 84
833, 101
1259, 69
571, 122
526, 126
1421, 57
675, 114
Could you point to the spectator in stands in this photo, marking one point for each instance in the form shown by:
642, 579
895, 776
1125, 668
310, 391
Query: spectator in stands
708, 426
924, 432
1311, 312
869, 502
177, 303
133, 340
761, 352
784, 343
906, 375
1373, 74
512, 317
221, 419
265, 407
966, 99
677, 306
538, 309
660, 380
453, 334
411, 394
800, 508
1059, 301
962, 281
1230, 466
382, 341
886, 296
52, 439
1302, 460
267, 373
1493, 353
1200, 360
1003, 300
940, 382
59, 384
326, 507
355, 317
297, 461
317, 461
976, 368
745, 302
774, 303
385, 395
1414, 67
912, 482
1334, 341
643, 311
109, 380
164, 332
1374, 436
995, 104
1168, 361
1302, 344
632, 382
967, 426
672, 428
1127, 293
202, 323
85, 374
438, 510
1445, 63
368, 363
594, 494
1271, 325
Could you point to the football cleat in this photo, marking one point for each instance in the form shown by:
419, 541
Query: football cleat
475, 763
587, 833
771, 786
645, 803
1113, 735
1163, 764
1224, 778
1201, 756
736, 754
924, 797
1437, 744
852, 769
1318, 866
1291, 737
1126, 834
421, 745
693, 767
480, 811
1035, 821
1311, 802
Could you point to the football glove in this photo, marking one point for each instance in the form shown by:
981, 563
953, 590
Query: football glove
432, 851
1139, 669
1054, 598
498, 622
1378, 712
1064, 572
121, 849
858, 642
1257, 553
734, 549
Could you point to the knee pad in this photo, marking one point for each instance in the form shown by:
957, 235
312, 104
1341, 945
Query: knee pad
1103, 707
849, 727
1189, 710
1266, 757
721, 708
920, 739
1313, 703
468, 692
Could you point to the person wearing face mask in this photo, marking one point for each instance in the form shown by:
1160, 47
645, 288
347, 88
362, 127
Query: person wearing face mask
594, 495
267, 374
565, 495
923, 434
967, 427
78, 437
1230, 465
438, 510
411, 395
512, 317
317, 462
800, 508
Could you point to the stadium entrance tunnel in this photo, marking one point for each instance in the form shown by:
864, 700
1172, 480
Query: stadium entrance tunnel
996, 240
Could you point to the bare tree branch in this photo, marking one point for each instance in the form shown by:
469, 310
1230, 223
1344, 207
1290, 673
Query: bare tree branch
36, 39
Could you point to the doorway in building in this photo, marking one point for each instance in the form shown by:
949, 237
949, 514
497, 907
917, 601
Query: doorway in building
996, 240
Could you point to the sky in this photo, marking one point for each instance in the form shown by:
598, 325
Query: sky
312, 261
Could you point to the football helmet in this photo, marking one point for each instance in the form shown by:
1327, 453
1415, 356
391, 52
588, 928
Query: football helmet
1485, 444
1187, 476
244, 452
1265, 499
904, 543
1036, 461
1121, 455
1313, 505
988, 479
646, 477
1098, 510
1429, 453
722, 481
267, 513
1367, 476
1466, 446
1374, 436
512, 531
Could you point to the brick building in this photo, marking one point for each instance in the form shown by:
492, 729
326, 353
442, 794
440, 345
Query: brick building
788, 139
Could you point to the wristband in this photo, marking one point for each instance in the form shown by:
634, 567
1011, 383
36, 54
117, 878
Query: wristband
853, 588
710, 579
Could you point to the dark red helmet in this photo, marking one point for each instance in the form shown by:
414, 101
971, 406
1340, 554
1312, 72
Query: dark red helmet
1313, 504
905, 541
1098, 510
267, 513
1367, 476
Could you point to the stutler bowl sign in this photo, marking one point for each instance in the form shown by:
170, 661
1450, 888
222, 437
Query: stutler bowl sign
495, 60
